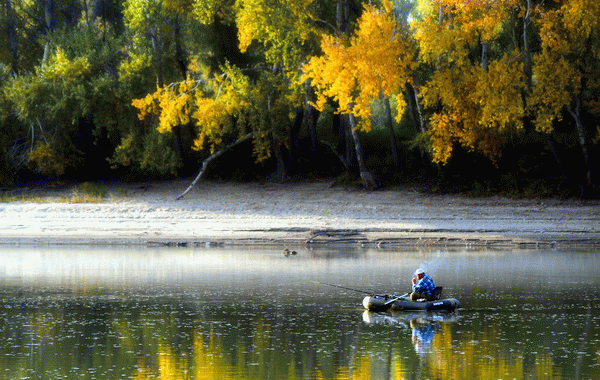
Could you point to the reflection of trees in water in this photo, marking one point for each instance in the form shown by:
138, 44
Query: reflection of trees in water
172, 340
484, 357
439, 351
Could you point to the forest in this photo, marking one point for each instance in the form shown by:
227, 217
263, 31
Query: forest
477, 97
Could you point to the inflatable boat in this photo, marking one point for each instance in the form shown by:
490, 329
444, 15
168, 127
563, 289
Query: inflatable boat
383, 302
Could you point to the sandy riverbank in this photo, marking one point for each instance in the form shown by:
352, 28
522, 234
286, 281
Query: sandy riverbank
291, 214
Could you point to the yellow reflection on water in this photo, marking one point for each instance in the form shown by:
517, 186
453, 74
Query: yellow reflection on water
448, 359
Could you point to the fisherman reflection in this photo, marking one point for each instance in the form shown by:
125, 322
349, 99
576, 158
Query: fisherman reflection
423, 332
423, 328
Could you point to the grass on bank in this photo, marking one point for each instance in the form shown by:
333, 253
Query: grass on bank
86, 192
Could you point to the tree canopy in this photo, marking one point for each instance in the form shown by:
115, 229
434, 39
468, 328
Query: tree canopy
461, 89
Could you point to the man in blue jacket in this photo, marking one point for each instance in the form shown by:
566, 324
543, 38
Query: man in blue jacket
423, 286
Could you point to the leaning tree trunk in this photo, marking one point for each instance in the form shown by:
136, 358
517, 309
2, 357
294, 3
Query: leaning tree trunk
409, 96
345, 147
349, 146
367, 178
343, 27
206, 162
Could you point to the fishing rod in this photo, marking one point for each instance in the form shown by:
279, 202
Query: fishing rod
343, 287
394, 297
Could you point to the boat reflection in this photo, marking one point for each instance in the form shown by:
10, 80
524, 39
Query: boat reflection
424, 327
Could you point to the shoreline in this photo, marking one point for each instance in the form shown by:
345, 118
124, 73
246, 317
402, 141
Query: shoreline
309, 213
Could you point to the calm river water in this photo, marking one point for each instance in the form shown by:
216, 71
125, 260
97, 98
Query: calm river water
253, 313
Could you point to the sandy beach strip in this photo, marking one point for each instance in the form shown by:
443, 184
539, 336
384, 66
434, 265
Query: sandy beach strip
294, 214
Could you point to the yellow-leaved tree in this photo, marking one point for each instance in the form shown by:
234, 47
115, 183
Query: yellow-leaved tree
474, 95
378, 58
232, 102
376, 61
566, 72
286, 32
215, 105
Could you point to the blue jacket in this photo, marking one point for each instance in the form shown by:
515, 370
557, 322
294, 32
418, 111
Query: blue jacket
424, 286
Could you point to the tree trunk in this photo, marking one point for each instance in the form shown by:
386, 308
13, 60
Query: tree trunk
343, 27
348, 140
409, 96
390, 126
484, 56
49, 15
367, 178
295, 150
341, 130
98, 9
574, 111
281, 171
49, 24
419, 109
528, 68
179, 53
558, 157
312, 116
12, 39
342, 16
157, 56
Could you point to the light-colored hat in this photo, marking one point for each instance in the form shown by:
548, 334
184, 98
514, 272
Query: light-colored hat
419, 271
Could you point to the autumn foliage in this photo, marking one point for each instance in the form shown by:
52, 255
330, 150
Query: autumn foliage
152, 87
377, 60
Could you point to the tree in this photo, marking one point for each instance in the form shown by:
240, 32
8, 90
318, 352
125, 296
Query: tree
233, 101
50, 103
565, 73
146, 17
475, 102
286, 33
168, 43
377, 61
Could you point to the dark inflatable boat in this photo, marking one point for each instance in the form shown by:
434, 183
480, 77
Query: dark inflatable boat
382, 302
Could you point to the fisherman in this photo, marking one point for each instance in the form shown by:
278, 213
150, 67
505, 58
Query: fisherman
423, 286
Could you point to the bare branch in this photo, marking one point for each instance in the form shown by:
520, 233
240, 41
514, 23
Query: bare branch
209, 160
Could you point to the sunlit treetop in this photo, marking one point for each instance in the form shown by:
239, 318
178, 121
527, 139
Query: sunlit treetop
473, 105
140, 13
448, 27
286, 30
378, 59
207, 11
62, 69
